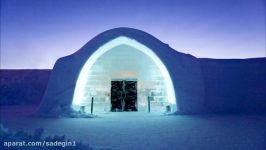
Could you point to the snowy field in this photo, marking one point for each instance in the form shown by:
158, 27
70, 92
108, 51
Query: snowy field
134, 130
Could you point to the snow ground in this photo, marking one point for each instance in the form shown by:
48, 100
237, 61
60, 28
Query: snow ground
135, 130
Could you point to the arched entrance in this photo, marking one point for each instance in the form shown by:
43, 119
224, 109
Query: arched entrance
124, 69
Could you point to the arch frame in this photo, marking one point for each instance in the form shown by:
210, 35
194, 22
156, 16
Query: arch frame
120, 40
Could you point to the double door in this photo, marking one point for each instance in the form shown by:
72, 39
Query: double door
124, 95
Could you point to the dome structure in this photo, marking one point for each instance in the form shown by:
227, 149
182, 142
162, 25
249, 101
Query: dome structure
125, 69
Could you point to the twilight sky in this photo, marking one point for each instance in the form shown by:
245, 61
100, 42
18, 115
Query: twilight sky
34, 33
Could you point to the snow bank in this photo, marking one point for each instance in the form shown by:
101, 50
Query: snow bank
19, 87
235, 85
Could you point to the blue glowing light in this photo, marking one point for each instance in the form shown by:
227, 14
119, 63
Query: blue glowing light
80, 90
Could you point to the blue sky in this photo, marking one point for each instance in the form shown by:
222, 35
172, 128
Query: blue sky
34, 33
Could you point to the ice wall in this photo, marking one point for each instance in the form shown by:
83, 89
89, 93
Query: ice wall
235, 85
23, 87
125, 63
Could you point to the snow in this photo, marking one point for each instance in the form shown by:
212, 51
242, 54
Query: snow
23, 86
152, 131
235, 85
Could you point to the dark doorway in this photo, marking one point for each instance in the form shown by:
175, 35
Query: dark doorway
124, 95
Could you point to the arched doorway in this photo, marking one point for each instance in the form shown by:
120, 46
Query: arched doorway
119, 62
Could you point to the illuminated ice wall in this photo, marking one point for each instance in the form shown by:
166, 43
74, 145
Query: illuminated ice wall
125, 63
